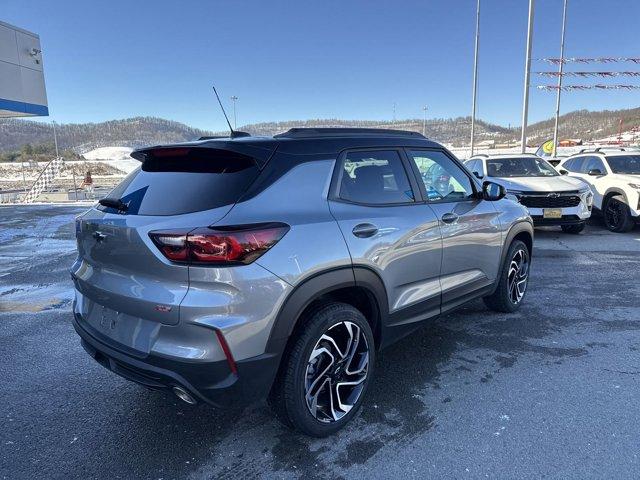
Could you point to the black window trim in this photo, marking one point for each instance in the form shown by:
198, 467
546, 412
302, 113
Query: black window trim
477, 189
338, 172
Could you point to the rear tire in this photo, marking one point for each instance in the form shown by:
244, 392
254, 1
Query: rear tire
573, 229
327, 371
617, 216
513, 281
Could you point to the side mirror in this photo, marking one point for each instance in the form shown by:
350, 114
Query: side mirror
594, 172
493, 191
563, 172
477, 175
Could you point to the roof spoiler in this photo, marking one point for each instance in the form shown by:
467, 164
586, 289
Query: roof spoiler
261, 154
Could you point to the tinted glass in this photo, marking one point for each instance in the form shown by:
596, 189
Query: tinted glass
375, 177
519, 167
443, 179
593, 163
626, 164
574, 164
472, 165
201, 179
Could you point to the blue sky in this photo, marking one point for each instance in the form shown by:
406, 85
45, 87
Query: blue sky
314, 59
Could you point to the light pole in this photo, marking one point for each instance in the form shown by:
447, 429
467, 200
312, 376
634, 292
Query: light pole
475, 79
235, 119
560, 72
424, 120
527, 75
55, 138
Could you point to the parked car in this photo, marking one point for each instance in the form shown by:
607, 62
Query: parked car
230, 270
552, 199
614, 178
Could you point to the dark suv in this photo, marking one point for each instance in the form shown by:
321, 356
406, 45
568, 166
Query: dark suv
234, 269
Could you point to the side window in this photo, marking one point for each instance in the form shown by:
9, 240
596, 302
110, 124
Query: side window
443, 179
477, 167
472, 165
574, 164
568, 165
375, 177
593, 163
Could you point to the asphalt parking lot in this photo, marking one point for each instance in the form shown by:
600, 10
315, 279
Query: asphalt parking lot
551, 391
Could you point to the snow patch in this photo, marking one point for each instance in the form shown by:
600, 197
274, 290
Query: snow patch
117, 157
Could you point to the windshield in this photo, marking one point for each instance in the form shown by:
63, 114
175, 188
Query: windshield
626, 164
519, 167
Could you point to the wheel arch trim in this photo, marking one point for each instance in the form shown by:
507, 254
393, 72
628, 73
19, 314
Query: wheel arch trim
523, 226
613, 191
316, 286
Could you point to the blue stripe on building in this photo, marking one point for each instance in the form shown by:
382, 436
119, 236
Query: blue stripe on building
23, 107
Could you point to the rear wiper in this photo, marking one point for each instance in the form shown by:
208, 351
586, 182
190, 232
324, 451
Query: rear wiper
115, 203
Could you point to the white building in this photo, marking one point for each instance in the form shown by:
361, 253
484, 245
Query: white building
22, 89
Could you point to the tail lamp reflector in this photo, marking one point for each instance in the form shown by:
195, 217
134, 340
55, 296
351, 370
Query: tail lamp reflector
238, 245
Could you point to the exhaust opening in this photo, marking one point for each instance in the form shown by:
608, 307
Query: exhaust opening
184, 396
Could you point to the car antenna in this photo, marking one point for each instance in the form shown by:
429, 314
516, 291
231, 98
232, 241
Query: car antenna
234, 133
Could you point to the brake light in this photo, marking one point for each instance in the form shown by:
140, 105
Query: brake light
236, 245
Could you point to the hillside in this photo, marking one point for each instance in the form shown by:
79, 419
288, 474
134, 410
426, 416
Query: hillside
82, 137
140, 131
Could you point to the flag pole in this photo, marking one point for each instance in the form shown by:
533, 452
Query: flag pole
527, 75
560, 72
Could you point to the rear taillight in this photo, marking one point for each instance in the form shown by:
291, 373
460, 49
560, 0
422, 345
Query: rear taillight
237, 245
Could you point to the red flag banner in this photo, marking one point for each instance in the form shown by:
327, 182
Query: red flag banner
569, 88
589, 74
557, 61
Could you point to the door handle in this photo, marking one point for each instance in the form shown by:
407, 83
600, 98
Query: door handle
449, 217
364, 230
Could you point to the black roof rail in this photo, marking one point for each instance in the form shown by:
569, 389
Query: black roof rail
342, 132
598, 149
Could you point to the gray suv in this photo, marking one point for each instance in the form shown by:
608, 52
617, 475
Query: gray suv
229, 270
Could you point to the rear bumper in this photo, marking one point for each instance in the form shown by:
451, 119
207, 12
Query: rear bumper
210, 382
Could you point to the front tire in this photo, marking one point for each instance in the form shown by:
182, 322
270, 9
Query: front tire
327, 371
617, 216
573, 229
513, 281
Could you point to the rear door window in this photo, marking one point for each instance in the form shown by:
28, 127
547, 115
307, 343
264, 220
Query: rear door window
375, 178
184, 180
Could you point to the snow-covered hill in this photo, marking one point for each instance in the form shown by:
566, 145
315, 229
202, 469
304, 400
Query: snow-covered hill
117, 157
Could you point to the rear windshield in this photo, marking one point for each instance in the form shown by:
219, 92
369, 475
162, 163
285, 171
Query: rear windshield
184, 180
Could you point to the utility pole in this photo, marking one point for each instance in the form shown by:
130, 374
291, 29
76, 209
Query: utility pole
527, 81
394, 113
235, 119
560, 72
475, 79
424, 120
